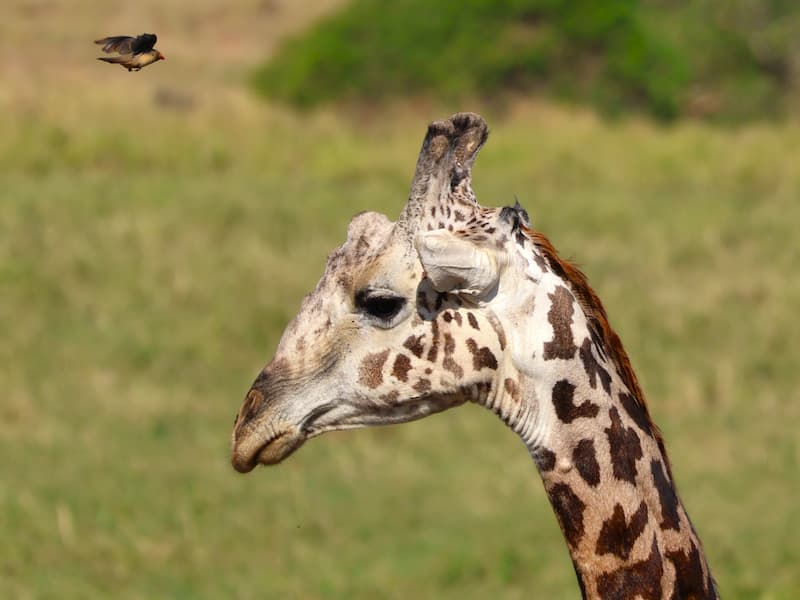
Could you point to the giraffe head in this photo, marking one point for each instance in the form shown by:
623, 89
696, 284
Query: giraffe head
453, 303
403, 322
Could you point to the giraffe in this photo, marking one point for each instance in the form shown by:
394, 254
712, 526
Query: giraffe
455, 302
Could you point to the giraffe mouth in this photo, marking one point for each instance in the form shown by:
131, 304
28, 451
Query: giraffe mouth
247, 454
272, 451
332, 416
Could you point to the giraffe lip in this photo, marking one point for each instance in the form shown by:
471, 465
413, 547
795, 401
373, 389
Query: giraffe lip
272, 451
278, 447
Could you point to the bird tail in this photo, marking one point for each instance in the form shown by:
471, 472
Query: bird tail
114, 60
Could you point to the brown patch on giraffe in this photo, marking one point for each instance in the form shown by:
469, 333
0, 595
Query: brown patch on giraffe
422, 385
457, 316
540, 261
413, 343
447, 316
640, 579
459, 216
624, 447
498, 330
560, 317
433, 351
482, 358
666, 496
512, 389
690, 583
391, 397
402, 365
370, 371
598, 323
569, 510
545, 459
473, 322
585, 460
635, 412
593, 368
617, 535
563, 401
448, 363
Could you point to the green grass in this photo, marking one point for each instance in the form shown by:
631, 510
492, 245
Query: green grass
146, 278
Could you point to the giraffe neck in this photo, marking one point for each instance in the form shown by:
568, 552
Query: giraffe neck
572, 396
625, 526
600, 457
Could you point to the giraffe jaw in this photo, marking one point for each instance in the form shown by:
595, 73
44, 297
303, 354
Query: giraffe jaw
351, 416
285, 439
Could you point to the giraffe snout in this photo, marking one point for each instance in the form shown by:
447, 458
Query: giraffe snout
243, 451
263, 432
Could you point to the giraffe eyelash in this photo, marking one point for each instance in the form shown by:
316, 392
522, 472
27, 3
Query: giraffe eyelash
379, 304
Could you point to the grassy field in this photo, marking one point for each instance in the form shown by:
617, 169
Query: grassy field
158, 230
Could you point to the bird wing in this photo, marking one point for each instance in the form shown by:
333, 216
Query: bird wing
122, 44
144, 43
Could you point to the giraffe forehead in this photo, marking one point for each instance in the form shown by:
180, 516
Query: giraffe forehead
367, 237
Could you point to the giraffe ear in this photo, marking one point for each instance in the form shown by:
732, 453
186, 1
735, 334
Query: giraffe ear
454, 264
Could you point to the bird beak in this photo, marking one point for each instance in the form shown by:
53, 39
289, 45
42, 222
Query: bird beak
161, 56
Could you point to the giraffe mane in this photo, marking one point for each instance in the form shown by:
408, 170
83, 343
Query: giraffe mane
598, 323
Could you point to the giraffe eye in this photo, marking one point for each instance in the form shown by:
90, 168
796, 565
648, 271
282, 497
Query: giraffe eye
379, 304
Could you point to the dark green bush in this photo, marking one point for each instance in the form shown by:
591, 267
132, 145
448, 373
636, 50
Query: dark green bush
618, 55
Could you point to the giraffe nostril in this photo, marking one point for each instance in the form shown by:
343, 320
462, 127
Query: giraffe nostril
251, 404
250, 407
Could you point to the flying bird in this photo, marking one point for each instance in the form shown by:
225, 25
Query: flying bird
134, 52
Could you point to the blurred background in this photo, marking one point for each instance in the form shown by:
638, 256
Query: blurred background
158, 229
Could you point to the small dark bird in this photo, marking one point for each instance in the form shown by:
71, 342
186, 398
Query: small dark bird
134, 52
